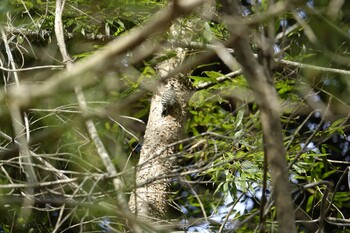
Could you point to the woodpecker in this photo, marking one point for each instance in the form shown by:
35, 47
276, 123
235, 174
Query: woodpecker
168, 100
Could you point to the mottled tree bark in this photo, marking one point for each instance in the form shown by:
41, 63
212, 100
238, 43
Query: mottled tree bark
150, 200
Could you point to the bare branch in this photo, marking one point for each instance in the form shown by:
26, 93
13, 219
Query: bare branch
266, 97
102, 59
39, 184
82, 103
32, 68
21, 129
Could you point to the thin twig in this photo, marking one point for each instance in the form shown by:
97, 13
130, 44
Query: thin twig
32, 68
101, 150
19, 125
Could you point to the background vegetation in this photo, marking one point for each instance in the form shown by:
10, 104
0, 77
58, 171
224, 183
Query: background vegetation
221, 181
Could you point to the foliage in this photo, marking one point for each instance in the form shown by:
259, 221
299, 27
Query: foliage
224, 153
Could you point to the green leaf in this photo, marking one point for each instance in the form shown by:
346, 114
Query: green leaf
309, 204
213, 75
326, 174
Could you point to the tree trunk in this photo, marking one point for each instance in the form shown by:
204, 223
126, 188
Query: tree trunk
149, 199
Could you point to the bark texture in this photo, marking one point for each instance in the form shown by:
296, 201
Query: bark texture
149, 200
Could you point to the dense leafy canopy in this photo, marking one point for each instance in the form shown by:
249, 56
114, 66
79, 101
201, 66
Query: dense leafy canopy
221, 162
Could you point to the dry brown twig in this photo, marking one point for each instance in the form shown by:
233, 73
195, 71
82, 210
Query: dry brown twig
21, 129
131, 41
101, 150
259, 78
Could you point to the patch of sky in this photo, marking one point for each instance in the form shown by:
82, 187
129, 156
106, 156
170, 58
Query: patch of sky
200, 228
317, 114
326, 125
345, 148
283, 22
293, 179
330, 81
302, 14
310, 3
315, 97
276, 49
310, 147
104, 225
312, 126
246, 11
